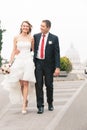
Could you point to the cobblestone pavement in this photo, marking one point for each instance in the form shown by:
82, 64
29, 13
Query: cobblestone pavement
65, 93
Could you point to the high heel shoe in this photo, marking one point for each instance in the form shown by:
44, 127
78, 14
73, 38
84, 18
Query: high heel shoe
24, 111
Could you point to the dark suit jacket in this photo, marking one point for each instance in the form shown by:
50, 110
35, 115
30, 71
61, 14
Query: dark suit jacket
52, 51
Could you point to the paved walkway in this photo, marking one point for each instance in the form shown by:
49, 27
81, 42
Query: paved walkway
65, 93
75, 117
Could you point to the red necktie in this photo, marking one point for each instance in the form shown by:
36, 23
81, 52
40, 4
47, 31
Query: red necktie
42, 48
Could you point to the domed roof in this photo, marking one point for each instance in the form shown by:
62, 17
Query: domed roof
72, 54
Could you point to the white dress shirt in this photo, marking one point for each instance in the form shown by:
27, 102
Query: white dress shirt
39, 48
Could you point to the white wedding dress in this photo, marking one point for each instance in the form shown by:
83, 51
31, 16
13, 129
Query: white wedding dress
21, 69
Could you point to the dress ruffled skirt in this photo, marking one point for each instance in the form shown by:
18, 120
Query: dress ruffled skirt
20, 70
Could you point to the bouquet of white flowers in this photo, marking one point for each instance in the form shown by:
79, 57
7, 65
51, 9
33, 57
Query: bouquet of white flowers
5, 68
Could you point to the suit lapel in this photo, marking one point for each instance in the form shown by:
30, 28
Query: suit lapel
48, 39
39, 36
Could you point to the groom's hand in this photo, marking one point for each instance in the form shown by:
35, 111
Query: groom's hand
56, 72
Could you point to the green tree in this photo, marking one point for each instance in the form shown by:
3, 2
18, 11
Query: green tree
1, 42
65, 64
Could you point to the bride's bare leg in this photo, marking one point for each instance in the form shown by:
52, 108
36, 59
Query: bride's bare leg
25, 94
21, 83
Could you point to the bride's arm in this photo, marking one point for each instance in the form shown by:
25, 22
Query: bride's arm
32, 44
14, 51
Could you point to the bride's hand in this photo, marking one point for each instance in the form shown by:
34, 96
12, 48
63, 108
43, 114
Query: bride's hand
17, 52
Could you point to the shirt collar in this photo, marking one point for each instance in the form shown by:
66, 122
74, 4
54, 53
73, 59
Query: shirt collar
46, 35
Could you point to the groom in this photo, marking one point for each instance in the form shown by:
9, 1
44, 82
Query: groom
47, 64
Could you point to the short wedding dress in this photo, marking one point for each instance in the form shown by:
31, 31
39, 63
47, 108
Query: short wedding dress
21, 69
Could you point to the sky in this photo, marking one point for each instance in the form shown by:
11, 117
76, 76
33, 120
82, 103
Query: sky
68, 18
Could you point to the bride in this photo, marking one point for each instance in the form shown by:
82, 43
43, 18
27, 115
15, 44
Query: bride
22, 67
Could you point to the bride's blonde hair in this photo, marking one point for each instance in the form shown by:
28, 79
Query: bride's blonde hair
30, 27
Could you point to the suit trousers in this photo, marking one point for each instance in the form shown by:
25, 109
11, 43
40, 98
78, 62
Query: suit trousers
44, 75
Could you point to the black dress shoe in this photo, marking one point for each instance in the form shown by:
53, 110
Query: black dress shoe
50, 107
40, 110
